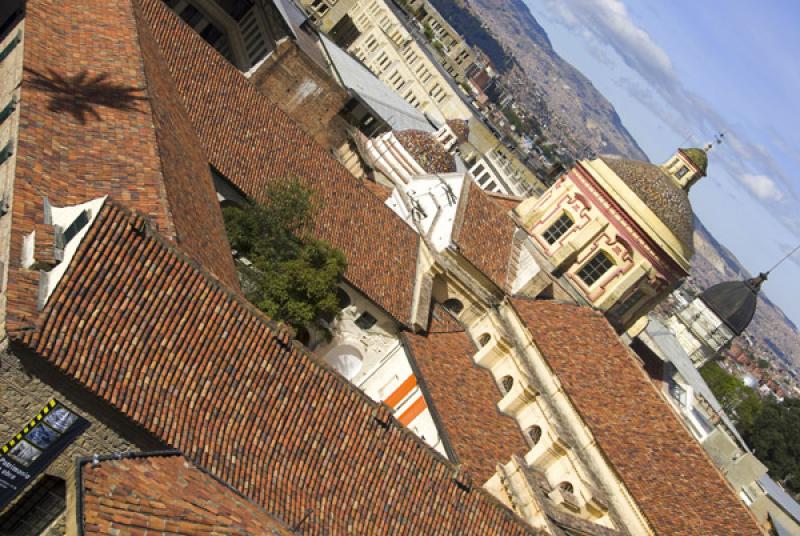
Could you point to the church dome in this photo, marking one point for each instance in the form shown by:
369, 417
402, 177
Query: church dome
668, 201
698, 157
429, 153
734, 302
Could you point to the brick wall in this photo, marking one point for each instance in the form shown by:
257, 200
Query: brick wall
305, 91
27, 383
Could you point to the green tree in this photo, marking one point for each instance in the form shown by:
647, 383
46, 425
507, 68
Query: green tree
775, 440
763, 363
738, 400
293, 278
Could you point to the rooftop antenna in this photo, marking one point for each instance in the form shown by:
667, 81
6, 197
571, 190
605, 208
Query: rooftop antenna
785, 257
718, 139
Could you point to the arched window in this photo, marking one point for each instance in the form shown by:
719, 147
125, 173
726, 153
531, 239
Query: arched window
535, 434
343, 298
484, 339
596, 268
453, 305
566, 486
303, 336
507, 382
345, 359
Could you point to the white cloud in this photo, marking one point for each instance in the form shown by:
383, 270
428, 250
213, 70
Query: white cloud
610, 25
762, 187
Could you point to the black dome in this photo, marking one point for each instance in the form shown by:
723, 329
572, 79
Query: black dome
734, 302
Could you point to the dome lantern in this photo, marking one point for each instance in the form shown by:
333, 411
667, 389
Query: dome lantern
687, 166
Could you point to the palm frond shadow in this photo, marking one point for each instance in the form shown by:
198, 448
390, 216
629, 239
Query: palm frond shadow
81, 95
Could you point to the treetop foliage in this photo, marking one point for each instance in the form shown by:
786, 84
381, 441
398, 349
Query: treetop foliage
770, 428
293, 278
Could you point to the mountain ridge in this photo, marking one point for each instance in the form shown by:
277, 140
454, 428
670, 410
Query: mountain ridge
574, 112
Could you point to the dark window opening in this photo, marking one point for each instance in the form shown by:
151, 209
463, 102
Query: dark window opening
74, 228
36, 510
507, 382
6, 52
11, 12
7, 151
366, 321
681, 172
596, 268
191, 16
303, 336
211, 34
343, 298
535, 434
8, 110
453, 305
558, 229
345, 32
567, 487
236, 8
484, 339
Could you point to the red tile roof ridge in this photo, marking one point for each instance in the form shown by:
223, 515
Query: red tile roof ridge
198, 222
145, 225
484, 234
101, 327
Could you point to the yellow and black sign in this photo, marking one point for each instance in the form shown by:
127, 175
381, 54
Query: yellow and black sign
30, 451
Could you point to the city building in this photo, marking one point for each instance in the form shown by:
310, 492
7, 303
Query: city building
618, 232
453, 396
375, 33
450, 48
709, 323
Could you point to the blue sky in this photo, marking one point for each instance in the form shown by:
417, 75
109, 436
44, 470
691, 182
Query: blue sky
684, 70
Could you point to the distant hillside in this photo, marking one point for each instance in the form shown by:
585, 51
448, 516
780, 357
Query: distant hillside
581, 117
771, 328
575, 112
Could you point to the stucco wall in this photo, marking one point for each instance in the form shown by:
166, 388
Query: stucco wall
594, 230
10, 77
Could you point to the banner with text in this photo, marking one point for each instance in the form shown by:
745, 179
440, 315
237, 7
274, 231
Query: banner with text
30, 452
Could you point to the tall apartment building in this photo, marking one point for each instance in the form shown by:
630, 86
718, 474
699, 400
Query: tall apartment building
374, 32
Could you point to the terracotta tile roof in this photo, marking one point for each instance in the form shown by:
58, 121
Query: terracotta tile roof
464, 396
484, 232
98, 117
668, 201
663, 467
143, 327
427, 151
252, 142
157, 494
